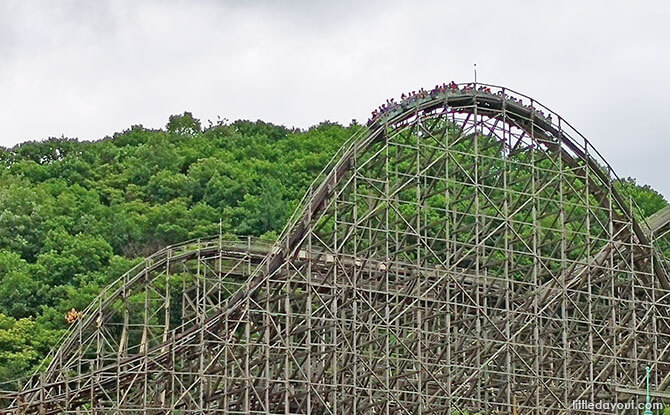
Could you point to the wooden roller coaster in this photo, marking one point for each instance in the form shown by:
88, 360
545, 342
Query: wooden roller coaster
466, 252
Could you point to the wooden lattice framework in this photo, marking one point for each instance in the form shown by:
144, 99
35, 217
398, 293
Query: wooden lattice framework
467, 252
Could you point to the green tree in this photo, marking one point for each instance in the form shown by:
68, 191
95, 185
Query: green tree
18, 288
23, 344
647, 199
183, 124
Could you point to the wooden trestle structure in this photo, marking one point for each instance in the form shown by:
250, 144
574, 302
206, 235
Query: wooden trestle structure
464, 253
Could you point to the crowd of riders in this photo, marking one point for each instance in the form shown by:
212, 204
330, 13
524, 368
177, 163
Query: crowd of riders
410, 97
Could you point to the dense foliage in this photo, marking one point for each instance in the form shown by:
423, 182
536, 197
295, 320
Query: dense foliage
76, 215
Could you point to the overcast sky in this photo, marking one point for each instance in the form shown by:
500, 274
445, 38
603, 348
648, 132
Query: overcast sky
87, 69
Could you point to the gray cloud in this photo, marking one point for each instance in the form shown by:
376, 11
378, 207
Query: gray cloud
89, 69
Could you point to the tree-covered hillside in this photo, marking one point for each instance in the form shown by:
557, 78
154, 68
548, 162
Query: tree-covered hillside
76, 215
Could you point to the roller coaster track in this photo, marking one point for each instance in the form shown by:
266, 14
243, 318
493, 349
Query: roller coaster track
463, 252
